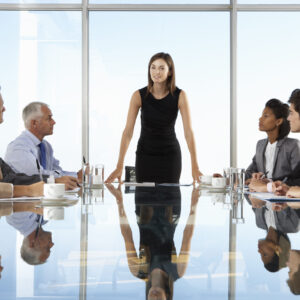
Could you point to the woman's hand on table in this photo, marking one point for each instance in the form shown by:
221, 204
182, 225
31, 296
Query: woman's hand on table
196, 174
117, 173
279, 188
258, 186
293, 192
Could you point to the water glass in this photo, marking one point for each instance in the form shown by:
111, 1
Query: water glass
237, 179
226, 175
98, 176
237, 210
87, 172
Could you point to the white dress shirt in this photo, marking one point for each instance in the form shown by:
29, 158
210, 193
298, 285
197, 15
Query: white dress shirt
269, 158
269, 216
24, 222
22, 153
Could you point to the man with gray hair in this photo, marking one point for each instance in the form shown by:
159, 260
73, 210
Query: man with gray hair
37, 242
31, 154
14, 184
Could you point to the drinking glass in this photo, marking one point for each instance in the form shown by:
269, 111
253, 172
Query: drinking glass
98, 176
237, 179
87, 172
226, 174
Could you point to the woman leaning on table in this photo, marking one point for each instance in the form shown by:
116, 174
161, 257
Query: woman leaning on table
277, 155
158, 155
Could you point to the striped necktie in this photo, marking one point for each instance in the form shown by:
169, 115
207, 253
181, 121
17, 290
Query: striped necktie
42, 155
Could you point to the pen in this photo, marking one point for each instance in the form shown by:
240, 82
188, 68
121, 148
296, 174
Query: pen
83, 159
264, 175
39, 169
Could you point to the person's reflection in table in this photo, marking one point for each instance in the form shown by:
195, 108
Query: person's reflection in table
158, 212
274, 250
275, 247
1, 267
37, 242
294, 272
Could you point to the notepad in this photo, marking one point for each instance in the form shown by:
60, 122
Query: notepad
139, 183
272, 197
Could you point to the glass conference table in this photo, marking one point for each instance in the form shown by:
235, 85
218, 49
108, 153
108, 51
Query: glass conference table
125, 242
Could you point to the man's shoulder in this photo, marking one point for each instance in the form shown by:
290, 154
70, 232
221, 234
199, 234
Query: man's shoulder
22, 140
291, 141
25, 140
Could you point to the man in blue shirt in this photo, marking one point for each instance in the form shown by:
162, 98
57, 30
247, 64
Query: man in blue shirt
29, 153
17, 184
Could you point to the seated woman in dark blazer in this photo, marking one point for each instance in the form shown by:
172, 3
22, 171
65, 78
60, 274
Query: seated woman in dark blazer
276, 155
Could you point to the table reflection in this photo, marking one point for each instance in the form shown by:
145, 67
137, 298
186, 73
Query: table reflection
157, 242
37, 242
157, 213
278, 220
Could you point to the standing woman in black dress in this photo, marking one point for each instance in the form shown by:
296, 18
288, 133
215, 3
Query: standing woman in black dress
158, 155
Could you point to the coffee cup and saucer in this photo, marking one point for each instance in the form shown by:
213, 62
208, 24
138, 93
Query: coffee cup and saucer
217, 184
54, 196
54, 191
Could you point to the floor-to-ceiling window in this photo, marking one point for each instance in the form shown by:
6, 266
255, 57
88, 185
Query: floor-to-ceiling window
40, 59
119, 55
268, 67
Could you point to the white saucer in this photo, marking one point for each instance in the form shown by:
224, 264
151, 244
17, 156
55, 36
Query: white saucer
217, 189
67, 200
210, 187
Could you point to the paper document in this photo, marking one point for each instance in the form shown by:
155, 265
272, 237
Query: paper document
175, 184
76, 190
272, 197
139, 183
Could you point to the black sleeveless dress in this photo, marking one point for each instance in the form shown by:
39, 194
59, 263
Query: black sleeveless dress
158, 155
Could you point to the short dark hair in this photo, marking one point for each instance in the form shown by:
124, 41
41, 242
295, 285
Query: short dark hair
273, 265
281, 111
295, 100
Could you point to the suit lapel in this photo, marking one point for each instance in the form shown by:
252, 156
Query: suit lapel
279, 143
261, 156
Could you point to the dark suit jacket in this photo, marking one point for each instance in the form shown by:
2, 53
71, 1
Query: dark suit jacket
286, 220
287, 157
8, 175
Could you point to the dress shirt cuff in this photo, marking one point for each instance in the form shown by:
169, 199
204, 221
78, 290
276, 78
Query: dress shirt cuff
269, 186
6, 190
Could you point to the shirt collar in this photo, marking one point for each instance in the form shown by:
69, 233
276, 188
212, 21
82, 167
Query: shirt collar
272, 145
32, 137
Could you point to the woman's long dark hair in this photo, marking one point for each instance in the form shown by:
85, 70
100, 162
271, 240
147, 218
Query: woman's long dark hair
171, 78
281, 111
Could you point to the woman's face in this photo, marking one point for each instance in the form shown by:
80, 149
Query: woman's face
268, 121
159, 71
267, 250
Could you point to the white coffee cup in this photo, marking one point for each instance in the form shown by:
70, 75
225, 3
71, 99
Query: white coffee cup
54, 190
219, 182
54, 213
218, 197
206, 179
